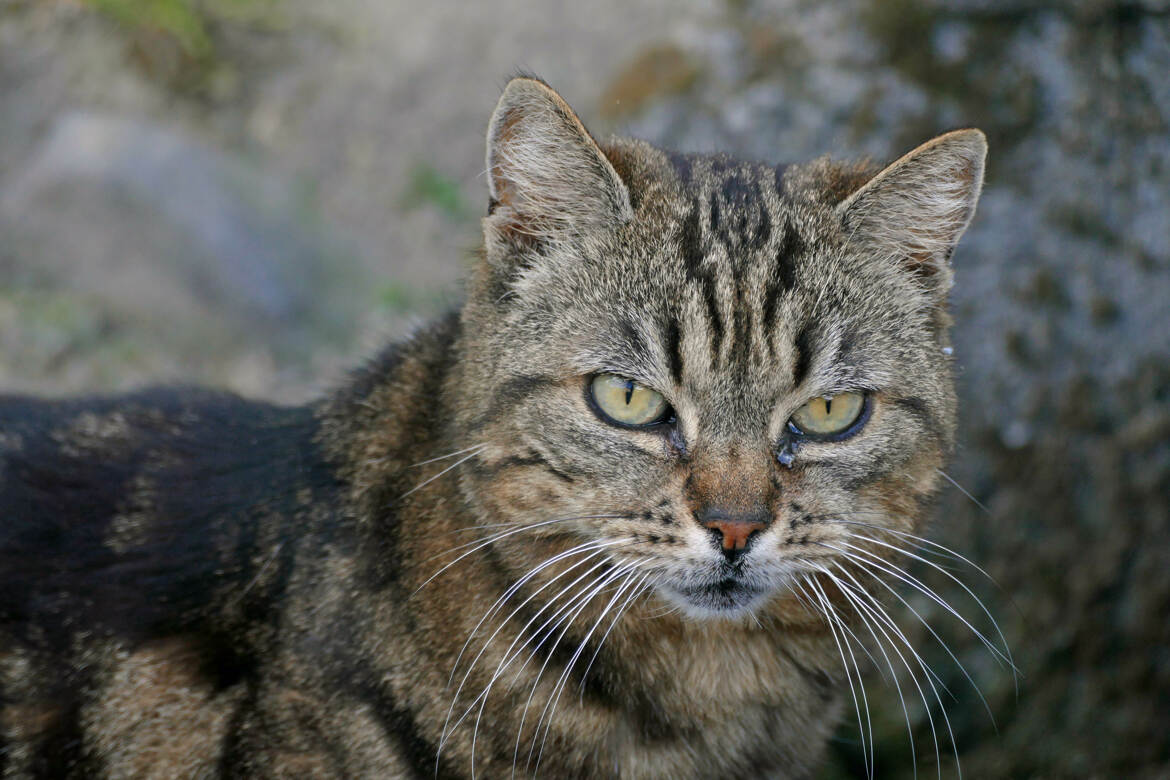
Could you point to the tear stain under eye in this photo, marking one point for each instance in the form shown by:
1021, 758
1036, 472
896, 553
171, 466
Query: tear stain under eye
787, 453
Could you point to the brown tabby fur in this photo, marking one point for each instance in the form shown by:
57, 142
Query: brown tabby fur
194, 585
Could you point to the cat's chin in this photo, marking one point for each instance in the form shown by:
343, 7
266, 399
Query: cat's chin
726, 599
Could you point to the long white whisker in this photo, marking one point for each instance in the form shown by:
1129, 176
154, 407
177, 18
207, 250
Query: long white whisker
596, 547
830, 618
930, 675
448, 455
643, 586
429, 480
497, 537
508, 657
963, 490
881, 617
847, 591
939, 639
918, 540
922, 588
1006, 655
567, 621
559, 687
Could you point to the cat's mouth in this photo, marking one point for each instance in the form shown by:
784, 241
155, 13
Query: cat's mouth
729, 596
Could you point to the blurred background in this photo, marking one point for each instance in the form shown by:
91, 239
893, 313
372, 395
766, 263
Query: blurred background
256, 193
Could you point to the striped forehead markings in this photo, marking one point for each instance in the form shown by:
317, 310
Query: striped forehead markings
731, 195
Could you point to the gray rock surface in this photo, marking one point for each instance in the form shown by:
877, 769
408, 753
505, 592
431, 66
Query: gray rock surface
371, 115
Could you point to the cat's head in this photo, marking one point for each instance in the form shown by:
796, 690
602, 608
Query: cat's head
719, 373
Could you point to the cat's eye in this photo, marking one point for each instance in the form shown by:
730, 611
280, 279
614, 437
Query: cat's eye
834, 416
626, 402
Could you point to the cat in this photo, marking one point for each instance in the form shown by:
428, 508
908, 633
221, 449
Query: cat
608, 519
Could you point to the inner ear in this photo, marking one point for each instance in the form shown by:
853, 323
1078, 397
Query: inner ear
548, 179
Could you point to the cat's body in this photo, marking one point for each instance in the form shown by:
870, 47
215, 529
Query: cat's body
193, 584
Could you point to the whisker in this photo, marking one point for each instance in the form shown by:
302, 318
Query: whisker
865, 619
429, 480
477, 545
520, 635
945, 647
510, 656
963, 490
921, 587
568, 621
596, 547
559, 686
830, 618
881, 617
919, 540
448, 455
642, 588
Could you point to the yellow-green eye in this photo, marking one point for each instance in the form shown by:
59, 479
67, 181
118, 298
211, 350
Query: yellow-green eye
626, 402
829, 416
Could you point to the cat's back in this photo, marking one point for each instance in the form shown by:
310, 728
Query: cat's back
143, 536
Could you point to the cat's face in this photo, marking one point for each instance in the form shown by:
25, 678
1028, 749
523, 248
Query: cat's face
715, 374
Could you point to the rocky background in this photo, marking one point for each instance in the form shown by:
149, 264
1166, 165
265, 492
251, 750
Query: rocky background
255, 193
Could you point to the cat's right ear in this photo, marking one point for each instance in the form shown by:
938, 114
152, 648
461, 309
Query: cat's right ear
548, 179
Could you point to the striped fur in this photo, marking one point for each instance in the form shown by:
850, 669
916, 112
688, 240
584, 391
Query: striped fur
453, 564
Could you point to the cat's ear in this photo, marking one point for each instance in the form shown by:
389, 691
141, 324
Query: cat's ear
916, 209
548, 179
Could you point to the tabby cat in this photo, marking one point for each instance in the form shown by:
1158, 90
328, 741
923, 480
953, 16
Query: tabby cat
609, 519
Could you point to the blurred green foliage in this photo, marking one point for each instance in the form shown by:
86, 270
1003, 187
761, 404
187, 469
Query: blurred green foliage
183, 20
429, 186
176, 40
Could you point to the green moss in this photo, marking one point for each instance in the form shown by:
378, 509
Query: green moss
177, 42
180, 19
429, 186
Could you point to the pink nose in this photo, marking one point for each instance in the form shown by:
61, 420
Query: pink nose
735, 532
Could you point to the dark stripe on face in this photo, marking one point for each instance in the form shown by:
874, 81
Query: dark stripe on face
634, 343
673, 342
691, 246
919, 409
763, 230
792, 246
739, 220
783, 278
803, 344
530, 459
741, 316
512, 392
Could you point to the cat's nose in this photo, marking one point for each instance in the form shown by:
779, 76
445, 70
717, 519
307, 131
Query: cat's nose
734, 532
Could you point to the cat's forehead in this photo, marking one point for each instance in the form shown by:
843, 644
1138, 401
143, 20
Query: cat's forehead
720, 289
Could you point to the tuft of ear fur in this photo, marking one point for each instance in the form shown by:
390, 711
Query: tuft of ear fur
549, 180
917, 208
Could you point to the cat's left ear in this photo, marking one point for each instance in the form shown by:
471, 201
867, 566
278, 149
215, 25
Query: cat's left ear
548, 179
917, 208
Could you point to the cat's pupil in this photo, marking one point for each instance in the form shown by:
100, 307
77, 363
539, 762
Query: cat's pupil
629, 391
828, 406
